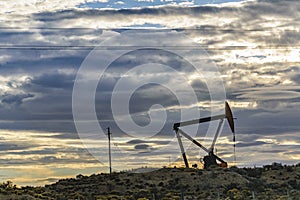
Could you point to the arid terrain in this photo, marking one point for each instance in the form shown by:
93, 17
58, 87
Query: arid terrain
274, 181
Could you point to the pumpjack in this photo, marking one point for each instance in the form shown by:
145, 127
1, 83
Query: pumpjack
210, 159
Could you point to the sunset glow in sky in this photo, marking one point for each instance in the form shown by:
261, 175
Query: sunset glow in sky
254, 44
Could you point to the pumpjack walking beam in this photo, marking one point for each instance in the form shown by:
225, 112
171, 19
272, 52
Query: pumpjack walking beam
211, 156
228, 115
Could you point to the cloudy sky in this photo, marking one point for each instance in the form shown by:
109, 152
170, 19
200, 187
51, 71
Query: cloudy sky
171, 60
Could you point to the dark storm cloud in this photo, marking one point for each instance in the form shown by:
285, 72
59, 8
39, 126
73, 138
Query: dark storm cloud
141, 147
54, 159
251, 15
148, 95
257, 143
135, 141
54, 80
45, 153
73, 14
6, 146
40, 125
24, 150
72, 135
45, 93
46, 160
272, 151
37, 152
201, 87
15, 162
157, 142
71, 32
37, 64
257, 123
16, 99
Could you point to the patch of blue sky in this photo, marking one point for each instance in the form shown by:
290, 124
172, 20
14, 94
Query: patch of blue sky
122, 4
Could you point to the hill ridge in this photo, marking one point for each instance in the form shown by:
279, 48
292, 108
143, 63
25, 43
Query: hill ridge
268, 182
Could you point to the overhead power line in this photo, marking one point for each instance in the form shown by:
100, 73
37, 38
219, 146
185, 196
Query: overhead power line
95, 47
201, 28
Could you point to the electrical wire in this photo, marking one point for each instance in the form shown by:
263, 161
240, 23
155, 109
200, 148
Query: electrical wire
95, 47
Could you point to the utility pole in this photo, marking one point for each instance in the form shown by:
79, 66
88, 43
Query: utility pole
109, 151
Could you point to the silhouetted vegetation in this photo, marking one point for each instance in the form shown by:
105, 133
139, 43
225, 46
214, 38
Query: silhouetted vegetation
269, 182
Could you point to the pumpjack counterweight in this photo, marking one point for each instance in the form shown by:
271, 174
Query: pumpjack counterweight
211, 158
